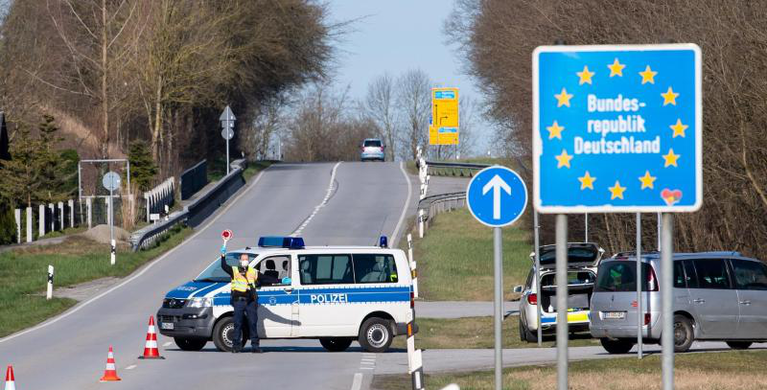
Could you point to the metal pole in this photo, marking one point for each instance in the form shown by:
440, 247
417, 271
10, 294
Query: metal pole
640, 311
587, 228
111, 227
498, 309
561, 276
660, 226
667, 283
227, 149
537, 244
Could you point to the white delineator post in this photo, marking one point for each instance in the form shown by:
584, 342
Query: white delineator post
112, 251
49, 293
420, 223
413, 271
29, 224
89, 211
17, 215
415, 362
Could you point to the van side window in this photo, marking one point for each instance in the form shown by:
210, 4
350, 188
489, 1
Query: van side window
679, 278
374, 268
750, 275
712, 273
690, 275
325, 269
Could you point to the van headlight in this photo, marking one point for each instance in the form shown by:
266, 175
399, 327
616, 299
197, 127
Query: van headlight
199, 302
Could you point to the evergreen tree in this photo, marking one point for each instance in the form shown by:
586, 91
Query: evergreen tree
20, 175
142, 167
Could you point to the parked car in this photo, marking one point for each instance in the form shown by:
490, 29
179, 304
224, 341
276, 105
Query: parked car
582, 261
373, 149
717, 296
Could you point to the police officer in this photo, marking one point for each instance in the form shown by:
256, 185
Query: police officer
244, 300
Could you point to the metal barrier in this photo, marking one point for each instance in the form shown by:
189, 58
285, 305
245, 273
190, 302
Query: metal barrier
430, 206
441, 168
196, 212
193, 179
160, 197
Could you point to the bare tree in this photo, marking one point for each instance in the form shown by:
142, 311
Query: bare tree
414, 101
380, 106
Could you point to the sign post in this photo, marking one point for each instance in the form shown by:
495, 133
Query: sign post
497, 197
227, 130
111, 181
443, 129
618, 128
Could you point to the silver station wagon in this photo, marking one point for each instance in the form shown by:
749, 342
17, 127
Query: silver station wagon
717, 296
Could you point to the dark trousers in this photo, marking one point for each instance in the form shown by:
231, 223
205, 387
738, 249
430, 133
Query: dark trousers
241, 308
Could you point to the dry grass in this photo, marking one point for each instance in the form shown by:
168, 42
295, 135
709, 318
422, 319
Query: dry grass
694, 371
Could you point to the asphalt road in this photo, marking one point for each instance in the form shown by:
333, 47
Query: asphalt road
364, 201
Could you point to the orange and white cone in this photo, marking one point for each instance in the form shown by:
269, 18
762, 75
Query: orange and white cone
10, 381
110, 374
150, 348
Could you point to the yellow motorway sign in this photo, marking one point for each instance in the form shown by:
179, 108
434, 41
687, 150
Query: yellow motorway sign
444, 116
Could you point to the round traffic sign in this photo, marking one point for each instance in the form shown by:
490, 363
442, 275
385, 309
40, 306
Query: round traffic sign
111, 181
497, 196
227, 133
227, 235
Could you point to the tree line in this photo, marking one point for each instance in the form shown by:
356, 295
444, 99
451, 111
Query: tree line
497, 38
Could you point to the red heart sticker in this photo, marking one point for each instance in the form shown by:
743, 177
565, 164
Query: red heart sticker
671, 196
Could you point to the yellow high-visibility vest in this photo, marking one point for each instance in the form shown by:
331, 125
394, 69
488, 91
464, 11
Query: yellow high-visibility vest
240, 283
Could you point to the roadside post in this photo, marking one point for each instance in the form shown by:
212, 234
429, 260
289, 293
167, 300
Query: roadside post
639, 285
537, 243
497, 197
227, 130
617, 129
111, 181
49, 290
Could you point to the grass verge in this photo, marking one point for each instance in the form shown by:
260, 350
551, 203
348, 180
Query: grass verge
475, 333
741, 370
254, 168
455, 259
23, 275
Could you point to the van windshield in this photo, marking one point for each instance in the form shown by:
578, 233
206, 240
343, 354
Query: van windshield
214, 272
374, 143
620, 276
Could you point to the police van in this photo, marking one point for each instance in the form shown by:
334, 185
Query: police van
336, 294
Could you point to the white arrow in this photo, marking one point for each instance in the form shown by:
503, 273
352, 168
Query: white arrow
496, 184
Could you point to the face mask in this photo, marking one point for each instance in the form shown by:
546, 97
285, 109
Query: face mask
244, 264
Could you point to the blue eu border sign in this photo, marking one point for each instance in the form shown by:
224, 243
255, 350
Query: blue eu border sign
617, 128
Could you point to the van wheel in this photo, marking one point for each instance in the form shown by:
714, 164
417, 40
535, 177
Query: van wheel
739, 344
186, 344
375, 335
683, 333
616, 346
336, 344
525, 334
223, 335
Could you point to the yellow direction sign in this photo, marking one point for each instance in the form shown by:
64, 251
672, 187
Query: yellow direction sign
444, 116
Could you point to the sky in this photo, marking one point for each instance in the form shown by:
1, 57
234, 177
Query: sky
395, 36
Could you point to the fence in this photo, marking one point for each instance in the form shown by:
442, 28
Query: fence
196, 212
33, 223
194, 179
157, 199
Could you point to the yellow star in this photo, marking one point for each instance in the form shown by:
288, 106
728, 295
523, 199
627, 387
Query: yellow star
616, 68
563, 98
617, 190
670, 158
555, 130
647, 180
669, 97
563, 160
587, 181
648, 76
585, 75
678, 128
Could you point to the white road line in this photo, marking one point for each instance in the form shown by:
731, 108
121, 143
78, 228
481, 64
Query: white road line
132, 366
357, 383
146, 268
167, 344
322, 204
367, 368
394, 238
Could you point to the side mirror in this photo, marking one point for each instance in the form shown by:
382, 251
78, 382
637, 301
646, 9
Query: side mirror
518, 289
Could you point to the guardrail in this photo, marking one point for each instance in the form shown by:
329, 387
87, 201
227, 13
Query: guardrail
193, 179
430, 206
441, 168
196, 212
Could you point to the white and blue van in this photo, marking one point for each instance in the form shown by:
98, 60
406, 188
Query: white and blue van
336, 294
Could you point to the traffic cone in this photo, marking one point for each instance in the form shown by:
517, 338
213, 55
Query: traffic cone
110, 374
10, 381
150, 348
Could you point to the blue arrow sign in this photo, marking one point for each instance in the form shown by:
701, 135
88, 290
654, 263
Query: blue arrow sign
497, 196
617, 128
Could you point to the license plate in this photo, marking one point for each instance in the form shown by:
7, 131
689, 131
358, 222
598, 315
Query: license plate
615, 315
167, 325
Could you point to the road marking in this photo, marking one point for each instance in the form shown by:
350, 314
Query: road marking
322, 204
167, 344
357, 383
146, 267
404, 208
367, 368
132, 366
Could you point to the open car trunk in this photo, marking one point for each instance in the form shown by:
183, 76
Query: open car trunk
580, 286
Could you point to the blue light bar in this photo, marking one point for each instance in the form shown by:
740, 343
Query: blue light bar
281, 242
383, 242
